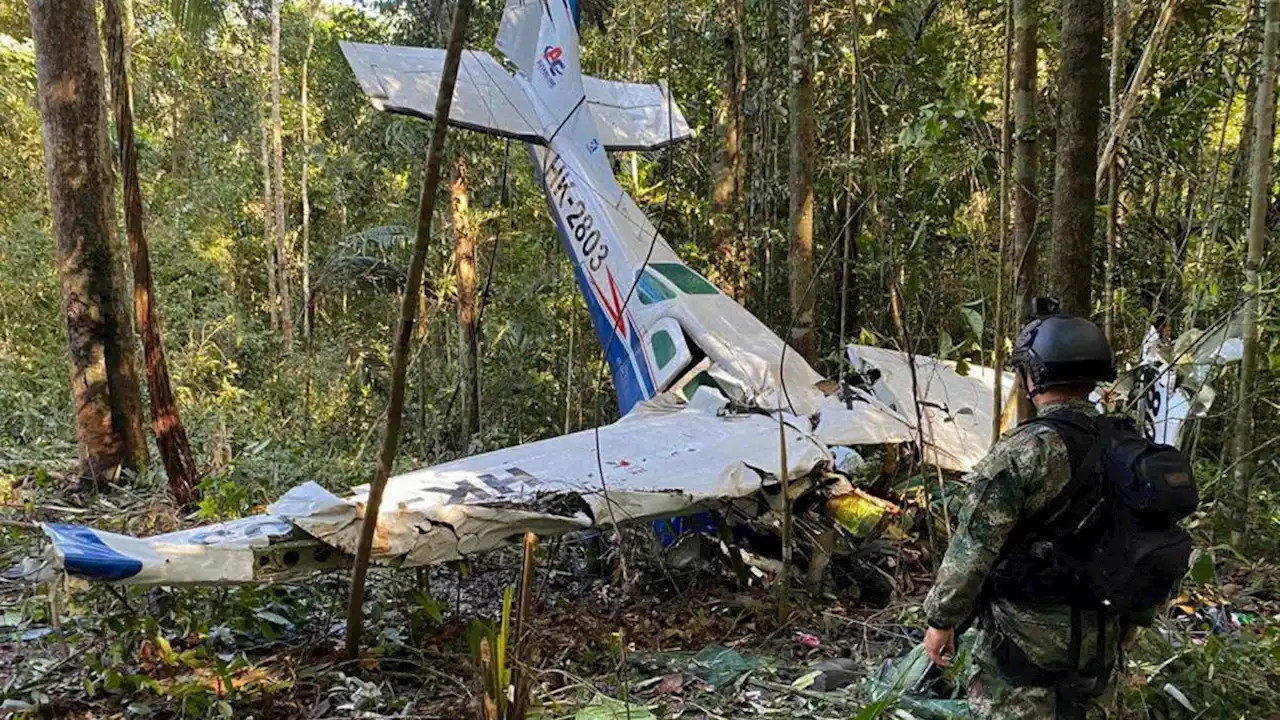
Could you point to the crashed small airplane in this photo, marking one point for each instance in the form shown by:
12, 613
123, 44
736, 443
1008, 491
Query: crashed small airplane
702, 384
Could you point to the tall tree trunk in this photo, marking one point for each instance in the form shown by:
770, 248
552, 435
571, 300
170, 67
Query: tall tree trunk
1264, 115
1002, 266
803, 337
464, 250
728, 191
1080, 86
742, 182
850, 305
269, 228
404, 326
104, 385
1119, 19
1025, 21
171, 435
307, 310
277, 153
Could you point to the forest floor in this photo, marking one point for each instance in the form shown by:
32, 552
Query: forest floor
677, 642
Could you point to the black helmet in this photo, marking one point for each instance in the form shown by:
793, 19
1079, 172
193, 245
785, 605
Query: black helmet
1056, 350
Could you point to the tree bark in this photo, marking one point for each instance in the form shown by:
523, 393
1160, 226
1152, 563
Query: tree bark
1135, 87
803, 337
104, 385
277, 157
307, 318
1080, 84
1002, 268
1025, 21
269, 228
1119, 19
404, 328
464, 251
850, 301
166, 423
1264, 114
729, 171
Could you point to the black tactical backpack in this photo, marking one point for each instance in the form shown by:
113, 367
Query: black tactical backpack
1111, 540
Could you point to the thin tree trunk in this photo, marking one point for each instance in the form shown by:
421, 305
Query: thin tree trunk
269, 228
171, 435
307, 318
123, 362
70, 90
1025, 21
1264, 114
277, 153
1074, 188
800, 120
404, 328
1244, 153
1119, 19
729, 170
741, 186
464, 249
1002, 267
1135, 85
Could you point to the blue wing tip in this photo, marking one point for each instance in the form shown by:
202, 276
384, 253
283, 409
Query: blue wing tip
86, 554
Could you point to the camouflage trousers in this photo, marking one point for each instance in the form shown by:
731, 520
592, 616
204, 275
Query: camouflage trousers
991, 696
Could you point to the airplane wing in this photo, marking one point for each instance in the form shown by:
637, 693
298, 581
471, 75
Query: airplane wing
406, 80
488, 99
635, 116
656, 464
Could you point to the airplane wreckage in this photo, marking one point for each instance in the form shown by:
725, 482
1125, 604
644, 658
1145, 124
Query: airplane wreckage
707, 392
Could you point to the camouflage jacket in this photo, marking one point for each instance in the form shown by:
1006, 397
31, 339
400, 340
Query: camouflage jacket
1025, 471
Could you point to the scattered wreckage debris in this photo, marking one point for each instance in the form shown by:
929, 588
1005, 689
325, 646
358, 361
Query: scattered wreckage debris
668, 459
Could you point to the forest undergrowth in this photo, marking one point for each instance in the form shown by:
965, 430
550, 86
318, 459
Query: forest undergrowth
915, 250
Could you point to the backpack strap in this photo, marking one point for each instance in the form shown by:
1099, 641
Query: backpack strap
1075, 429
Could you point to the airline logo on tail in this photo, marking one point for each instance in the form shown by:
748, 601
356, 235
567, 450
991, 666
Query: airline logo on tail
551, 64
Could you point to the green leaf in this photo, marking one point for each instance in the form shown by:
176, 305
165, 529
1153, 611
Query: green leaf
1203, 568
962, 367
273, 618
974, 318
945, 345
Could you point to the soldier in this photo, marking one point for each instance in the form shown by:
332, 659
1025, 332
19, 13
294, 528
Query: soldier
1042, 649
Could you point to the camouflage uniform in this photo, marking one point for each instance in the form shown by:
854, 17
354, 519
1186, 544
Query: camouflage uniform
1023, 473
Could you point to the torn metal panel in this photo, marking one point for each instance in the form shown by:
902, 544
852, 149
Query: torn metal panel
863, 421
656, 465
952, 411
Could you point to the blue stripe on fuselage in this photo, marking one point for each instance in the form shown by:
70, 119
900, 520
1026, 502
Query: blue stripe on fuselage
630, 379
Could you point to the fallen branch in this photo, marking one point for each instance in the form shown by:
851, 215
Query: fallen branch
809, 694
19, 525
1135, 87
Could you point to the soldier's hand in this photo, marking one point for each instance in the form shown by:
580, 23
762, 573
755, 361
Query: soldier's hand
941, 646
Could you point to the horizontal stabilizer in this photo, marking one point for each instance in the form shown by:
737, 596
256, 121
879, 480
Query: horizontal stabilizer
634, 116
406, 80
